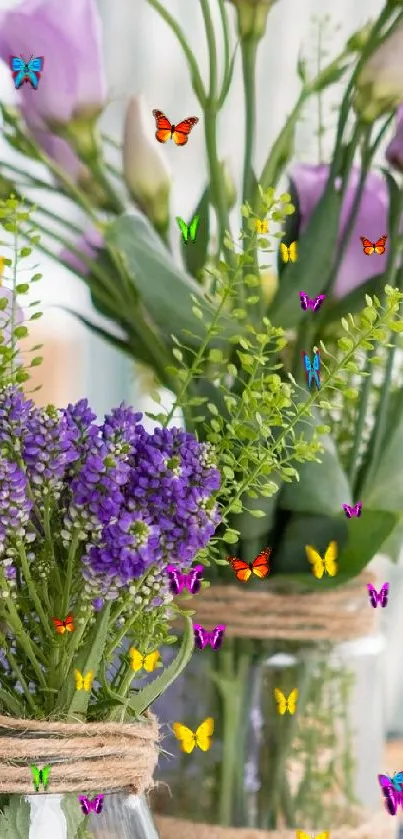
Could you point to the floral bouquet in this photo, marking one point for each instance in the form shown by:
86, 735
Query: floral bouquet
226, 341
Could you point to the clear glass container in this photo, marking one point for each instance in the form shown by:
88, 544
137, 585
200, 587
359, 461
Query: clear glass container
47, 816
316, 768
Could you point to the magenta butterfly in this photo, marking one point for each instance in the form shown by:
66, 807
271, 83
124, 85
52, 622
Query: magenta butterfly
178, 581
308, 303
203, 637
378, 597
392, 790
352, 511
91, 806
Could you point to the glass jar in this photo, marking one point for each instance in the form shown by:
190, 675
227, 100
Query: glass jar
315, 768
46, 816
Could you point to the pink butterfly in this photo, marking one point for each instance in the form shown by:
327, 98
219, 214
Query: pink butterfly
91, 806
203, 637
192, 580
308, 303
378, 597
352, 511
391, 789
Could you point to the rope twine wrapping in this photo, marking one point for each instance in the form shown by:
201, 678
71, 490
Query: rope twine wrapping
379, 826
83, 756
340, 614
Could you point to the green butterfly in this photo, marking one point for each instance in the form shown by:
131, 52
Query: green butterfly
188, 230
40, 776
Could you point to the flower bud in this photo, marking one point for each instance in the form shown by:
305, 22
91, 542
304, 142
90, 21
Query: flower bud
252, 17
146, 175
380, 83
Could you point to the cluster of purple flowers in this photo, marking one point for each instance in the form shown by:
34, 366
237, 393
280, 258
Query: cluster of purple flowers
128, 500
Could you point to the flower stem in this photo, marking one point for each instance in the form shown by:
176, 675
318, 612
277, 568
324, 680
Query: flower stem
249, 51
19, 676
69, 574
197, 82
32, 590
26, 643
354, 455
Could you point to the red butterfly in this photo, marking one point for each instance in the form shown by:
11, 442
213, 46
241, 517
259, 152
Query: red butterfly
64, 626
260, 566
374, 247
179, 132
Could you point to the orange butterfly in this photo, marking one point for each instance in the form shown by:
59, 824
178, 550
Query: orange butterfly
179, 132
64, 626
260, 566
374, 247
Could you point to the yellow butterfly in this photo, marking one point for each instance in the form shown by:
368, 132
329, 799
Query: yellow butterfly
286, 703
289, 252
188, 739
139, 660
262, 225
83, 682
302, 835
328, 564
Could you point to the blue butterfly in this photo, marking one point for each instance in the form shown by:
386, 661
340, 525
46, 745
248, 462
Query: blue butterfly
26, 71
312, 368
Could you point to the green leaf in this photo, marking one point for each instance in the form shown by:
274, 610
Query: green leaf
383, 489
89, 658
16, 818
316, 249
322, 487
12, 704
145, 697
353, 303
168, 294
194, 255
73, 814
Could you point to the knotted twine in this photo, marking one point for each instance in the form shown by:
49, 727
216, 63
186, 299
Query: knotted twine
335, 615
83, 756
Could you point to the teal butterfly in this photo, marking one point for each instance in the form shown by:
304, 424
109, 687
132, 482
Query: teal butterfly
188, 230
40, 776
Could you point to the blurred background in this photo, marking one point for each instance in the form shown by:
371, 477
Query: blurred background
142, 57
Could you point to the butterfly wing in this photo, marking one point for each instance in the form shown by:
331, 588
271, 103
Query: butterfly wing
45, 773
292, 251
203, 734
193, 227
318, 302
284, 252
87, 681
33, 71
324, 835
217, 636
373, 595
304, 300
292, 701
318, 565
348, 510
150, 661
69, 623
98, 803
200, 635
307, 363
380, 245
78, 679
330, 559
186, 737
260, 565
164, 127
183, 227
136, 659
17, 66
85, 804
281, 701
59, 625
193, 579
241, 569
383, 600
36, 776
300, 834
358, 509
176, 579
390, 794
182, 130
367, 246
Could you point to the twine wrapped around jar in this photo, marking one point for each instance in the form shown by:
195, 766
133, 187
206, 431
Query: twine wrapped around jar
83, 756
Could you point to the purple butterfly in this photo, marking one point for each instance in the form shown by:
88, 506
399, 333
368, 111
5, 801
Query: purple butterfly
192, 580
91, 806
308, 303
391, 789
378, 597
352, 511
203, 637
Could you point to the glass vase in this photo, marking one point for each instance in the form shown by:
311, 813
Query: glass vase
47, 816
314, 769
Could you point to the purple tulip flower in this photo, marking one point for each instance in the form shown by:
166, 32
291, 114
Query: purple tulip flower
72, 84
394, 152
371, 221
88, 245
